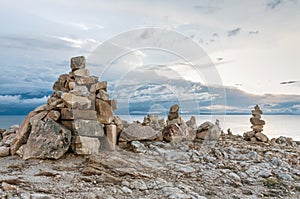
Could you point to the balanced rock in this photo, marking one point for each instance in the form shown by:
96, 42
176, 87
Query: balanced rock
78, 62
47, 139
208, 131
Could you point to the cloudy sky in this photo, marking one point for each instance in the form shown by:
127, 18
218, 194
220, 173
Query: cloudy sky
253, 45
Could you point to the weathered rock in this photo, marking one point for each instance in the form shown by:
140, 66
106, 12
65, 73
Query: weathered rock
54, 115
205, 126
172, 133
8, 139
90, 80
40, 108
105, 111
208, 131
76, 102
82, 72
80, 91
47, 140
103, 95
39, 116
82, 145
78, 62
192, 122
137, 132
261, 137
22, 133
89, 128
257, 128
174, 108
119, 124
54, 104
98, 86
111, 136
248, 135
62, 83
4, 151
256, 121
73, 114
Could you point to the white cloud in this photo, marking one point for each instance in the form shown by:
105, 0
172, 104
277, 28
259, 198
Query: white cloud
17, 99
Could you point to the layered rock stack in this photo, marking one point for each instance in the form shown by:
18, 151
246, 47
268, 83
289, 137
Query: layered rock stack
79, 114
176, 129
257, 127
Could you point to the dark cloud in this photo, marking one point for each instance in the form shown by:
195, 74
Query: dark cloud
233, 32
274, 3
289, 82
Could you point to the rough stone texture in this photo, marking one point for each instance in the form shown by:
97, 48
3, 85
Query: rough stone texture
80, 91
113, 104
137, 132
86, 80
4, 151
54, 115
89, 128
81, 72
208, 131
103, 95
192, 122
172, 133
76, 102
119, 124
22, 133
78, 62
73, 114
47, 140
39, 116
111, 136
99, 86
261, 137
105, 111
61, 83
82, 145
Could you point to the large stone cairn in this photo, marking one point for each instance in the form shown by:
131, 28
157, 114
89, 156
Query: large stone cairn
257, 127
79, 114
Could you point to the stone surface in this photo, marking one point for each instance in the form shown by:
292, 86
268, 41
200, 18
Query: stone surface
172, 133
80, 91
54, 115
103, 95
76, 102
261, 137
113, 104
111, 136
89, 128
82, 72
78, 62
47, 140
208, 131
86, 80
192, 122
105, 111
62, 83
39, 116
82, 145
73, 114
4, 151
99, 86
22, 133
137, 132
119, 124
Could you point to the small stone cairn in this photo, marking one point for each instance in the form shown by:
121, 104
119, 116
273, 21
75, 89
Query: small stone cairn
257, 127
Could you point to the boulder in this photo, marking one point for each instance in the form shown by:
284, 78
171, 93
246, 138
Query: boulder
248, 135
89, 128
192, 122
103, 95
137, 132
204, 126
4, 151
105, 111
208, 131
90, 80
39, 116
62, 83
256, 121
98, 86
76, 102
47, 139
73, 114
22, 133
82, 145
80, 90
119, 124
261, 137
78, 63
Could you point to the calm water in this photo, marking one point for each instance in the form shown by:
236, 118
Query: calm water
276, 125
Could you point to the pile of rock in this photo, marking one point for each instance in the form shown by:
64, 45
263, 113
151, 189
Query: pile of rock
257, 127
176, 129
6, 139
154, 122
79, 114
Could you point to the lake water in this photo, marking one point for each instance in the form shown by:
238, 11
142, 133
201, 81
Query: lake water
276, 125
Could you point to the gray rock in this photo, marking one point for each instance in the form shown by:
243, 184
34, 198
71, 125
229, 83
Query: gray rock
47, 140
89, 128
80, 90
138, 147
126, 190
137, 132
82, 145
54, 115
73, 114
76, 102
103, 95
173, 133
261, 137
78, 62
4, 151
111, 136
81, 72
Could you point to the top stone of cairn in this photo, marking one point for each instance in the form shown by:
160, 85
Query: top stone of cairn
78, 63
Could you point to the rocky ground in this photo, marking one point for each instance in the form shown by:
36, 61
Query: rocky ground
229, 168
